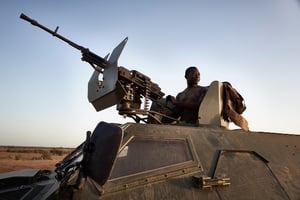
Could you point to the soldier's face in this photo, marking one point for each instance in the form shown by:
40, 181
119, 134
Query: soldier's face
193, 77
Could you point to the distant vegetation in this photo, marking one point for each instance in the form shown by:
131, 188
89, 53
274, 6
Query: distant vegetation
32, 153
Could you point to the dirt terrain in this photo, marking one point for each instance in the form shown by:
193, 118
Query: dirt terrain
16, 158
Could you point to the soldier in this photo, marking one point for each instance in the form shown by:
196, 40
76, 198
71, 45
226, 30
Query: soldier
188, 101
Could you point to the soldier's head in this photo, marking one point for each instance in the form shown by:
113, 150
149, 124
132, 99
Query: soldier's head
192, 76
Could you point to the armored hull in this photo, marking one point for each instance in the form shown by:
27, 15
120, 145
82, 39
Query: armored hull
182, 162
205, 163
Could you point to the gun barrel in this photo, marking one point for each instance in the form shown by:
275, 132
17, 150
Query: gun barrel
87, 55
54, 33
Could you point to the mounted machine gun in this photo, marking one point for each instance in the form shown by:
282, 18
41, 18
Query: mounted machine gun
118, 86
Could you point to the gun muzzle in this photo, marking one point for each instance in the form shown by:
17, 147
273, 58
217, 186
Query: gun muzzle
26, 18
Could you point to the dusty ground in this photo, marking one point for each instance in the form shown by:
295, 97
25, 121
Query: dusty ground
16, 158
7, 165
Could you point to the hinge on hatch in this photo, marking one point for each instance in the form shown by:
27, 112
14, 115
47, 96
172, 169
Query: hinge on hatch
205, 182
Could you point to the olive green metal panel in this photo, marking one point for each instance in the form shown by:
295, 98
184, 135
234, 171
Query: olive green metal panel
250, 177
258, 165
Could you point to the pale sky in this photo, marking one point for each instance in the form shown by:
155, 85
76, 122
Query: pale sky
254, 44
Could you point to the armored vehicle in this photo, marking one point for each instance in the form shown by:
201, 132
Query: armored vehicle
159, 157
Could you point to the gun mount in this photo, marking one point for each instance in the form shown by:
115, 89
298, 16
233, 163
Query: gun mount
118, 86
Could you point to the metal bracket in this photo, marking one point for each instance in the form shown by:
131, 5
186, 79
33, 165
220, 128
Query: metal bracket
205, 182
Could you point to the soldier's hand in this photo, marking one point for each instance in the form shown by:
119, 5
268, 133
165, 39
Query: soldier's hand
171, 99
